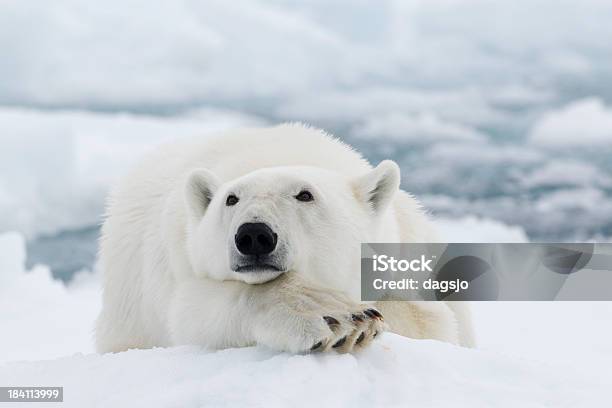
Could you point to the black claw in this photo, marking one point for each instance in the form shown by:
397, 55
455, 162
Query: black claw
331, 321
360, 338
369, 314
340, 342
374, 314
357, 318
316, 346
375, 334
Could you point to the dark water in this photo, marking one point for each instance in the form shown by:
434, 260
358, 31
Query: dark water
65, 253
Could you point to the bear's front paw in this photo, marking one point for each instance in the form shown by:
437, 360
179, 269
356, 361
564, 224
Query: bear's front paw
350, 331
299, 318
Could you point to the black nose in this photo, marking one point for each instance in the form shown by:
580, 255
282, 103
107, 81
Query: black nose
255, 239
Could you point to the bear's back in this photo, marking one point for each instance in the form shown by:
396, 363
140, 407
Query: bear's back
237, 153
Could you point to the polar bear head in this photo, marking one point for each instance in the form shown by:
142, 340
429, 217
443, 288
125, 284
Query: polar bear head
274, 220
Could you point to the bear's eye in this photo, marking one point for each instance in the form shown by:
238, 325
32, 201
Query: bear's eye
231, 200
304, 196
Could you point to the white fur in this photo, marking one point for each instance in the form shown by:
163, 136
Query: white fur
166, 247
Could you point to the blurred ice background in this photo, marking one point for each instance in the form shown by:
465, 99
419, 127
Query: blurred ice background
496, 111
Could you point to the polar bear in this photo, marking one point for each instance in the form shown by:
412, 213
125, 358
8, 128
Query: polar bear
253, 237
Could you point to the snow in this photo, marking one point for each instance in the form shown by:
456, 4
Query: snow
570, 335
102, 55
583, 123
530, 354
394, 372
56, 167
280, 51
567, 173
475, 229
420, 128
12, 248
41, 318
588, 198
468, 107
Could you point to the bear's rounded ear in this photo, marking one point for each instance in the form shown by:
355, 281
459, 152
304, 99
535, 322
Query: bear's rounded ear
200, 187
378, 187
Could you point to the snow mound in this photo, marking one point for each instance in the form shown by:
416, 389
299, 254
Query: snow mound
41, 317
56, 166
395, 371
586, 122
